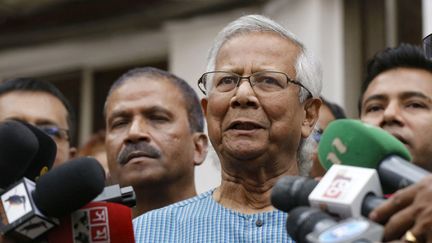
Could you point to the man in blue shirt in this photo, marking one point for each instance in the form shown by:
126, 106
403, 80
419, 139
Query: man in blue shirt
262, 101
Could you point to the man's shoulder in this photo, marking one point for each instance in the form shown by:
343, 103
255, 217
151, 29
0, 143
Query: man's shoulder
182, 208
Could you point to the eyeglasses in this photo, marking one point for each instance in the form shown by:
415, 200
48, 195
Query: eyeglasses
54, 131
265, 81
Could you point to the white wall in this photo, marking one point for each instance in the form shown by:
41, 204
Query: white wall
319, 25
427, 17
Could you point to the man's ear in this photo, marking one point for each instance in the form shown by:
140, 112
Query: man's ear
201, 147
204, 102
72, 152
311, 108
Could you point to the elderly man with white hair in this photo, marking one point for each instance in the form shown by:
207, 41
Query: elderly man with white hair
262, 101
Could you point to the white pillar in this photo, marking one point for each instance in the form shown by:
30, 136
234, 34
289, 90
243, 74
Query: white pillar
86, 106
427, 17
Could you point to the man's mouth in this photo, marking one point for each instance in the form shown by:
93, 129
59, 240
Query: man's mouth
138, 154
240, 125
400, 138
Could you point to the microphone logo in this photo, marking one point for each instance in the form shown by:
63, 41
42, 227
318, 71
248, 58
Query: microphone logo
340, 147
91, 225
43, 170
337, 187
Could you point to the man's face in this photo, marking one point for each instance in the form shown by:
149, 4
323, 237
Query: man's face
39, 109
244, 125
399, 101
148, 135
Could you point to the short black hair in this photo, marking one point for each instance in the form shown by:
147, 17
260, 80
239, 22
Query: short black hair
34, 85
405, 55
193, 107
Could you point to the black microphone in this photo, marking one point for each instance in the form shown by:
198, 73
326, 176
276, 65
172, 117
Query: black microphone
44, 158
69, 187
18, 146
29, 209
290, 192
116, 194
306, 224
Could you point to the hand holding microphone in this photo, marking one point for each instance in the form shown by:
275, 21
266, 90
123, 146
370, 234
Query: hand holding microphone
355, 143
408, 211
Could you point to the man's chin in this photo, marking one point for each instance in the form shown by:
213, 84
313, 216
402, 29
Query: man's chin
139, 180
244, 154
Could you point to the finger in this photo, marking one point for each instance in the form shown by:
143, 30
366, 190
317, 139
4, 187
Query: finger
422, 228
397, 202
399, 223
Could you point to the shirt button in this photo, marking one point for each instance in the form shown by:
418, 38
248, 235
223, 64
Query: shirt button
259, 223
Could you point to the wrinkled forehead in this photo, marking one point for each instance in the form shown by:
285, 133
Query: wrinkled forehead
145, 91
258, 51
35, 107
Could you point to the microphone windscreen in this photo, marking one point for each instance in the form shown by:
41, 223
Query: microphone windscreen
351, 142
45, 156
302, 221
69, 186
18, 147
292, 191
95, 222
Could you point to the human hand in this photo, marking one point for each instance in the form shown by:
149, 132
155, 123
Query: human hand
408, 210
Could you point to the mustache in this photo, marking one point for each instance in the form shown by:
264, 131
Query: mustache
132, 150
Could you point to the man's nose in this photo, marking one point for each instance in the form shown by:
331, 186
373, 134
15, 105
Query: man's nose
392, 114
138, 131
244, 96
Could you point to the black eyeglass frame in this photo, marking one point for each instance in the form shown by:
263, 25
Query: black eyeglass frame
201, 84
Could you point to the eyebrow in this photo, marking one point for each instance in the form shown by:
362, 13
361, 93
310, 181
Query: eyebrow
146, 110
374, 97
410, 94
119, 113
38, 122
404, 95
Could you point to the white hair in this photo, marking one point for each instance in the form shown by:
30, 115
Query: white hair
308, 69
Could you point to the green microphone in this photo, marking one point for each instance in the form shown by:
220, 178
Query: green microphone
354, 143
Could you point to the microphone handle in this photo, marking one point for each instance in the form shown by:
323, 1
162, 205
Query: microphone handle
369, 203
396, 173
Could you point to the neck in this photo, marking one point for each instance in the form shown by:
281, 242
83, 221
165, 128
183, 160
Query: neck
250, 193
153, 198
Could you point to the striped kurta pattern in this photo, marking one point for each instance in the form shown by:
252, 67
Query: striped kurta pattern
202, 219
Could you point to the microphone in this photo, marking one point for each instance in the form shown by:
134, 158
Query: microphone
95, 222
124, 195
306, 224
351, 142
18, 146
44, 158
290, 192
29, 209
359, 196
343, 190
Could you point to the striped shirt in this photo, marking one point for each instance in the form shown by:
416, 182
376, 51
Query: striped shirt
202, 219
